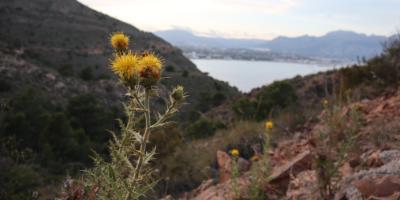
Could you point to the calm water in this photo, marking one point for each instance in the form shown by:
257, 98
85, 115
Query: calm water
246, 75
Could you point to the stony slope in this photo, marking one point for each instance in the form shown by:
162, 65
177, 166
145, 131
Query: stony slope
371, 173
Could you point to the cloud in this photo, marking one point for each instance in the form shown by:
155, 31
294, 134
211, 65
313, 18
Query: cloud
255, 18
263, 6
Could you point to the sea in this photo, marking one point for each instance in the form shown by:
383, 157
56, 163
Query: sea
246, 75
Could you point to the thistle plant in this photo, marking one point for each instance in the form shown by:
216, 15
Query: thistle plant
334, 144
235, 172
128, 174
261, 171
269, 125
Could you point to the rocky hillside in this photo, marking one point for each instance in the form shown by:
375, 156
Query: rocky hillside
71, 39
371, 172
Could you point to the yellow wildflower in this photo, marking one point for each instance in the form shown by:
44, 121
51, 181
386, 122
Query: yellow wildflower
119, 41
126, 66
325, 102
149, 69
150, 61
235, 152
269, 125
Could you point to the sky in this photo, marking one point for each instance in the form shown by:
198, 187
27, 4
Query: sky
263, 19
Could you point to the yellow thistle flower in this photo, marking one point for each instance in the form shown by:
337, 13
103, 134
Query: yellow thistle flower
149, 69
150, 61
235, 152
325, 102
119, 41
126, 66
269, 125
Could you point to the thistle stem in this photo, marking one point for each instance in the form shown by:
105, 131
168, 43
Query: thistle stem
146, 135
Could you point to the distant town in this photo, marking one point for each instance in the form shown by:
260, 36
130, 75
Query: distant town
256, 55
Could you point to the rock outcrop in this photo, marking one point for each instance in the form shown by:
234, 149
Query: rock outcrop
376, 183
373, 175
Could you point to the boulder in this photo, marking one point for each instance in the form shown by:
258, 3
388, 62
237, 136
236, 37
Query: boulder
377, 183
382, 187
303, 186
281, 175
225, 166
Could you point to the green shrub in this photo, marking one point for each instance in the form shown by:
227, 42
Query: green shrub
87, 74
278, 95
203, 128
245, 108
86, 112
209, 100
66, 70
169, 68
66, 143
4, 86
27, 117
18, 182
354, 76
57, 135
218, 98
185, 73
103, 77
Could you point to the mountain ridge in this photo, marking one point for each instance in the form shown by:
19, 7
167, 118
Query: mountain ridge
181, 37
340, 44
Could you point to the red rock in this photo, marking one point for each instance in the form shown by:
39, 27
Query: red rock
346, 170
225, 166
301, 162
281, 175
374, 160
378, 187
302, 187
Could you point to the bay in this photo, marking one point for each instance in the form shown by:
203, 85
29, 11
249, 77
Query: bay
246, 75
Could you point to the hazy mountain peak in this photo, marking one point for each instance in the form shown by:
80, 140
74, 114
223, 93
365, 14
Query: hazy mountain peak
340, 44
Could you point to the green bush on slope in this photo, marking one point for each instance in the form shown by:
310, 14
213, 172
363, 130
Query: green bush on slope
278, 95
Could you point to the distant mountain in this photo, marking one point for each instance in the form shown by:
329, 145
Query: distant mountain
185, 38
335, 45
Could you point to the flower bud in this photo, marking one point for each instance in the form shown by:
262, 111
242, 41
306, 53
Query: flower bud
235, 152
269, 125
325, 102
178, 93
